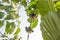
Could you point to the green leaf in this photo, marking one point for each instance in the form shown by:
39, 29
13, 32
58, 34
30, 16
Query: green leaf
42, 6
17, 31
1, 6
32, 4
1, 15
31, 8
12, 15
6, 1
10, 30
9, 27
28, 11
16, 1
23, 2
12, 24
30, 20
34, 23
8, 8
1, 23
9, 17
19, 22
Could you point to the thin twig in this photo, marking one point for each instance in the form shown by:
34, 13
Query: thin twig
28, 37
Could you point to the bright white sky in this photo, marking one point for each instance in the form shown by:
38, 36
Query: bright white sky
36, 35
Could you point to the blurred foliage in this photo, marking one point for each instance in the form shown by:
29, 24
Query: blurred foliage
30, 20
9, 12
50, 26
1, 15
15, 1
50, 16
34, 23
23, 2
6, 1
1, 23
49, 10
10, 27
17, 31
1, 6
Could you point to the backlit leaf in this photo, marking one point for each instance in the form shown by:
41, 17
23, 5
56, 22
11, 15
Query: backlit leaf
7, 27
17, 31
10, 27
34, 23
30, 20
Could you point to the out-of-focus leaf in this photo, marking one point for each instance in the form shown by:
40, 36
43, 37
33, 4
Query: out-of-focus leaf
8, 8
28, 11
23, 2
7, 27
30, 20
12, 15
19, 22
34, 23
10, 30
31, 7
50, 26
10, 27
17, 16
9, 17
4, 36
6, 1
40, 7
11, 38
1, 23
57, 5
43, 7
1, 15
12, 24
1, 6
16, 37
17, 31
16, 1
28, 29
32, 3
